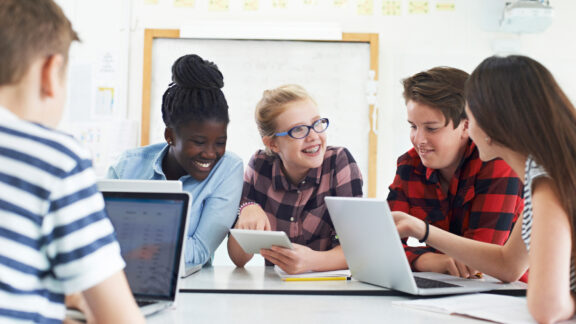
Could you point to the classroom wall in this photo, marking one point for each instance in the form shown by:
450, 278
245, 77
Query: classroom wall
409, 43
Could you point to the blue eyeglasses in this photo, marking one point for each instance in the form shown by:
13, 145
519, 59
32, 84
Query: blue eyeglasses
302, 131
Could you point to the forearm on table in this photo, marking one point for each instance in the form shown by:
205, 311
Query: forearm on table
330, 260
236, 253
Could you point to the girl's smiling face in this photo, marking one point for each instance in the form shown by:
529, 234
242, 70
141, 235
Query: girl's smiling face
198, 146
298, 155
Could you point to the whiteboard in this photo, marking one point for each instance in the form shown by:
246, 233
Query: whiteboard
335, 73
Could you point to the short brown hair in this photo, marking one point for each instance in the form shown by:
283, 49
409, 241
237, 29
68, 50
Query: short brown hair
30, 29
441, 88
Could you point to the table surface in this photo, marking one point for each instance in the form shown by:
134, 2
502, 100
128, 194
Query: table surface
265, 280
226, 294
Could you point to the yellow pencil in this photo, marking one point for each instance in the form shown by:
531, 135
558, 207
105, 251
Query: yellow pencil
316, 279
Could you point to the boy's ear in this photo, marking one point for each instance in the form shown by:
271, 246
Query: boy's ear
270, 143
465, 134
52, 75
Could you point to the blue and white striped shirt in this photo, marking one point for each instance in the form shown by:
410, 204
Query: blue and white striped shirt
55, 237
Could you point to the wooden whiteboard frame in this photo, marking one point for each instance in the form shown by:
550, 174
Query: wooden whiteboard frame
370, 38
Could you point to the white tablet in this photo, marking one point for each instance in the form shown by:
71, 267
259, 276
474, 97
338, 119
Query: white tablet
252, 241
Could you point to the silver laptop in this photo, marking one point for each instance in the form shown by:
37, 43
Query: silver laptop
134, 185
150, 228
375, 254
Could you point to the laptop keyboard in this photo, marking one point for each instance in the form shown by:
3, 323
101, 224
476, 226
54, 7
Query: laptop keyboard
145, 302
429, 283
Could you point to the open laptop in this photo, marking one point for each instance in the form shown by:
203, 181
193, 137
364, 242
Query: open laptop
375, 254
150, 228
135, 185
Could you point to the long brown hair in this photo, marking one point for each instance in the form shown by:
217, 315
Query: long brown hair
518, 103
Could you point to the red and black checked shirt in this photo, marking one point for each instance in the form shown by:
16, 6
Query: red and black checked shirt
483, 201
299, 210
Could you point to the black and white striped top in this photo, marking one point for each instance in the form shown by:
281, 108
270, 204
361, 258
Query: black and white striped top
534, 171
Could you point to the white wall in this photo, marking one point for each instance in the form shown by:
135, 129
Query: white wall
408, 44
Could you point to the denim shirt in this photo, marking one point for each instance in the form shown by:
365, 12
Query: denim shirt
214, 200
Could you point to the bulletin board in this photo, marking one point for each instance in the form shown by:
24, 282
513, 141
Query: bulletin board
340, 75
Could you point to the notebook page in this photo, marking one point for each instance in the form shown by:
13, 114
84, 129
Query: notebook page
497, 308
313, 274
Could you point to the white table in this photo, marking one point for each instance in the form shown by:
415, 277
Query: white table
257, 295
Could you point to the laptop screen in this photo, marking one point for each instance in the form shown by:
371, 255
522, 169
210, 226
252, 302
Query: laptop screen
150, 229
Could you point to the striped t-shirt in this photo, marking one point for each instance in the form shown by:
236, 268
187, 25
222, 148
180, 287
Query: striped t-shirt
55, 237
534, 171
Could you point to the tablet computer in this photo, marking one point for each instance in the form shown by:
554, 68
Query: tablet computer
251, 241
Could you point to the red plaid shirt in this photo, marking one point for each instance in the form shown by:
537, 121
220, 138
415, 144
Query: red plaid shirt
483, 201
299, 210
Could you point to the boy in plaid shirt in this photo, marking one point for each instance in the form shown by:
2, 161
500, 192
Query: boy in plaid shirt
442, 180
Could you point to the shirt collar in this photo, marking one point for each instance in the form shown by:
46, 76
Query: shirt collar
158, 161
7, 115
281, 182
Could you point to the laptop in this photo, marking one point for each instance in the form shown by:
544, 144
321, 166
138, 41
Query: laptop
375, 254
133, 185
150, 228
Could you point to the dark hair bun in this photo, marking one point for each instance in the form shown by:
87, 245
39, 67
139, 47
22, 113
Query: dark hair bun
191, 71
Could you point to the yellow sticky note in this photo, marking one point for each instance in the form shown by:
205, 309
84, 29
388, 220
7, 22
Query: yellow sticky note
219, 5
251, 5
392, 8
279, 4
416, 7
366, 7
446, 5
340, 3
184, 3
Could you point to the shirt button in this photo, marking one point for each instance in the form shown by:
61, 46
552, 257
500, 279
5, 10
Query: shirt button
291, 219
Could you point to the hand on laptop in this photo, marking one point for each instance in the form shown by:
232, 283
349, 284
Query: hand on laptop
408, 225
441, 263
253, 217
292, 261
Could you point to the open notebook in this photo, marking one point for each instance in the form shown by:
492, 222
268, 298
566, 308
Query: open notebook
489, 307
314, 275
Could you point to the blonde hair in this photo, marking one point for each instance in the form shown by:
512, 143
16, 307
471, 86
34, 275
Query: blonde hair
273, 103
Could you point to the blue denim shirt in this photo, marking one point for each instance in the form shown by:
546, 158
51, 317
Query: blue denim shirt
214, 200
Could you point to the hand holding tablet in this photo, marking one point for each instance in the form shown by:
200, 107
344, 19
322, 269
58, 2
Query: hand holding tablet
251, 241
